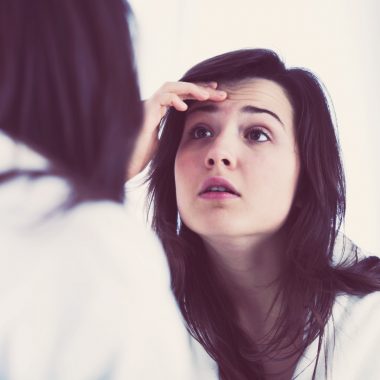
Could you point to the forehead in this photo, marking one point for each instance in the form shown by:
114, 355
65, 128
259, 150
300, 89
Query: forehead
258, 92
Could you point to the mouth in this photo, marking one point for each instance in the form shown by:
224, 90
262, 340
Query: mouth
218, 188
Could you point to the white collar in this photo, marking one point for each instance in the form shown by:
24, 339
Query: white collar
16, 155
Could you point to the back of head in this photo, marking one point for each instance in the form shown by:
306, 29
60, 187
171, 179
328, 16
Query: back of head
69, 88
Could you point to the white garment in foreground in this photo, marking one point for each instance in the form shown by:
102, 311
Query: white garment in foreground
84, 295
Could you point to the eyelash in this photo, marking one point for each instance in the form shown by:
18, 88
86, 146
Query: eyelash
194, 130
197, 128
257, 129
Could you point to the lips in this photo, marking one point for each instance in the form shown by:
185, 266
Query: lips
218, 185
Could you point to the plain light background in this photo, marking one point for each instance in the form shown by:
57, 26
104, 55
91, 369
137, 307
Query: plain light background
337, 40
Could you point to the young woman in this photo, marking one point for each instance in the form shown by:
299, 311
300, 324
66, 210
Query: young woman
248, 198
84, 291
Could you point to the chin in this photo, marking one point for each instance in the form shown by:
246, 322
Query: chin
218, 229
226, 228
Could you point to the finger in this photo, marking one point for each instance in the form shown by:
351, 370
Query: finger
213, 93
211, 84
202, 93
185, 90
189, 91
217, 95
178, 103
172, 100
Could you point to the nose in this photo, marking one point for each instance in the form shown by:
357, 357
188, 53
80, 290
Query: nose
220, 154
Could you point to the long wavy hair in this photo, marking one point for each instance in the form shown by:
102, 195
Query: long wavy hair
312, 277
68, 89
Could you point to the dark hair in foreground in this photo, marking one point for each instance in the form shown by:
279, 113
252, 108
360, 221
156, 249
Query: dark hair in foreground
69, 89
311, 280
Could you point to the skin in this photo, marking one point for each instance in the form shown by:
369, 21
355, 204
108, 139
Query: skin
257, 153
170, 94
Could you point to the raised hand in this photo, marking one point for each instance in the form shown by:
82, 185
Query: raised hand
171, 94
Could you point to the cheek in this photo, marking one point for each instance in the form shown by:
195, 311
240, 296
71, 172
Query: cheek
186, 177
285, 173
274, 177
182, 173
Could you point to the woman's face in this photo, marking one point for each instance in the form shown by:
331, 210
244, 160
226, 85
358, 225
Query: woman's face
237, 165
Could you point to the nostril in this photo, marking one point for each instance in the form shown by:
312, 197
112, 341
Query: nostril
224, 161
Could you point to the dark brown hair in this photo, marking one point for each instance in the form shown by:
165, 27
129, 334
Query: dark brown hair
311, 278
68, 88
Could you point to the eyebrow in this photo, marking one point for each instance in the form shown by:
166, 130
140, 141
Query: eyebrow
245, 109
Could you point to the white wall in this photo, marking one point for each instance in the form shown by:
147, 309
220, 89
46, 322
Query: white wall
335, 39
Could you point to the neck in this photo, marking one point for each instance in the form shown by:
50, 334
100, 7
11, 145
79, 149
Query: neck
250, 268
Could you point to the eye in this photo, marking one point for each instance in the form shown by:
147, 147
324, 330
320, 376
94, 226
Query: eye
200, 132
257, 135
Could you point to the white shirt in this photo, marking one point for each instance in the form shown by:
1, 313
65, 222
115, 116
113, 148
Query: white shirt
84, 294
352, 341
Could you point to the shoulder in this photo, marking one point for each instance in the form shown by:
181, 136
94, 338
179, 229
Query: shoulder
356, 333
95, 281
357, 311
108, 229
92, 239
351, 342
